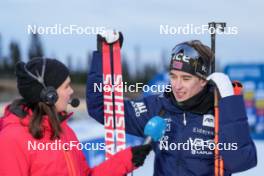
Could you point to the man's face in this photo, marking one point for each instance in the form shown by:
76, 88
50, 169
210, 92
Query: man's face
185, 85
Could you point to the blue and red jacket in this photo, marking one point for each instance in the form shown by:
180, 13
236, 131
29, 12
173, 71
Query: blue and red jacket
183, 127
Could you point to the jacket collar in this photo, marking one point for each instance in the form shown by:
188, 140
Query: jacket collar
168, 105
204, 102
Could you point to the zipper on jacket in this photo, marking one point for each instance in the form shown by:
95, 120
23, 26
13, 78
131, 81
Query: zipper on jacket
69, 163
184, 119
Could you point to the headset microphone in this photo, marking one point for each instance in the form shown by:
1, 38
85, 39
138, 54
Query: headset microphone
75, 102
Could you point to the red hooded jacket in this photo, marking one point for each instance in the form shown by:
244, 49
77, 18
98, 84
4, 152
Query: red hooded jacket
18, 157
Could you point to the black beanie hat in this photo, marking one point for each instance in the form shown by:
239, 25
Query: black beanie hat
29, 88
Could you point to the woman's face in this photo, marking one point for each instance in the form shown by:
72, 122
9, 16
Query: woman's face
64, 94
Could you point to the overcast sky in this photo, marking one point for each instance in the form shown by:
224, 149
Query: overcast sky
140, 23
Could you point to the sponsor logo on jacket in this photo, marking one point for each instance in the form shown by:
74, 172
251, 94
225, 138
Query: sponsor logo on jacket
139, 107
208, 120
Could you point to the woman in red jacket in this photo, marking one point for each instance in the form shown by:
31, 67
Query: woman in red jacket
35, 138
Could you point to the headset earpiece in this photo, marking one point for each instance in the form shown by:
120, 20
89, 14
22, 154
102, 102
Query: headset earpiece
49, 95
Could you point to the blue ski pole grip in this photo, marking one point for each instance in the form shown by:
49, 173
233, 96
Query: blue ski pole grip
155, 128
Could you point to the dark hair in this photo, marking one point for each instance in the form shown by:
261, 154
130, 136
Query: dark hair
20, 108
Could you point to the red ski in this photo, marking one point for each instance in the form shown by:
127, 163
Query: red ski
114, 122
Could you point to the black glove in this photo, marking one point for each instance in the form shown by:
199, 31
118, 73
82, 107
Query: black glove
140, 153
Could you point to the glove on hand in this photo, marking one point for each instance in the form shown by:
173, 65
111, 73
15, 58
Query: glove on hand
139, 154
110, 36
223, 83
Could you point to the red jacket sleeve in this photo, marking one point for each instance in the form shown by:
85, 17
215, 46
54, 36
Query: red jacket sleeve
119, 165
13, 159
83, 164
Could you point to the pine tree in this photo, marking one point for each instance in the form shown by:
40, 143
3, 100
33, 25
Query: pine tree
14, 53
35, 49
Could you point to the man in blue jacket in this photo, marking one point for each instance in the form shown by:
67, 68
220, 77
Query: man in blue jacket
187, 147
